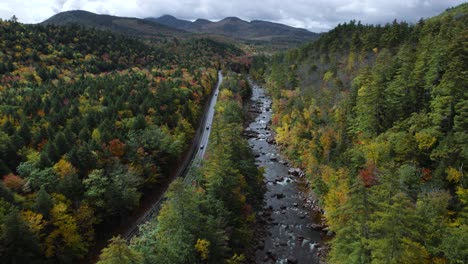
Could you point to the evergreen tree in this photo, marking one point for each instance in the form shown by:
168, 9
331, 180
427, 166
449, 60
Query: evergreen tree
43, 203
118, 252
17, 243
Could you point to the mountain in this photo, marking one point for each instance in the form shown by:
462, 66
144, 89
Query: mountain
235, 27
260, 34
124, 25
171, 21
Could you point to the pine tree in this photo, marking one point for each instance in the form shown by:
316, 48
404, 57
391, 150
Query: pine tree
118, 252
43, 203
351, 243
17, 243
394, 233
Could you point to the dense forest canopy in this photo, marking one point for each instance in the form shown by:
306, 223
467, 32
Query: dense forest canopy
89, 120
378, 117
209, 219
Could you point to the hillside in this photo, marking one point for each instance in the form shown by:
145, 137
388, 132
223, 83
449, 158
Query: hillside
234, 27
90, 122
377, 117
123, 25
254, 36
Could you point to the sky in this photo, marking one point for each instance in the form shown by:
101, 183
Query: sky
314, 15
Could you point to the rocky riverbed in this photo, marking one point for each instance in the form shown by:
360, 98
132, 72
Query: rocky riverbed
291, 228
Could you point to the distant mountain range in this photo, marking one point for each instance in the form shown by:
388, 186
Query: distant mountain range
169, 26
124, 25
240, 29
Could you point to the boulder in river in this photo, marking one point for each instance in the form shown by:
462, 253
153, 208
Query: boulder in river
261, 245
317, 227
250, 134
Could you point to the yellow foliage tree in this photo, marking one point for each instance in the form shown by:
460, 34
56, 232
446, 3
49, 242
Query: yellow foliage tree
453, 175
66, 233
203, 248
63, 167
424, 140
35, 221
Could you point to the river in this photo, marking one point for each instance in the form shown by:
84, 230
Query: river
290, 212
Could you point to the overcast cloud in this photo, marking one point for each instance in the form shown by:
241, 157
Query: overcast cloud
315, 15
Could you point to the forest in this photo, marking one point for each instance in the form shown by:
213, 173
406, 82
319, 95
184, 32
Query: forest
210, 219
377, 115
91, 121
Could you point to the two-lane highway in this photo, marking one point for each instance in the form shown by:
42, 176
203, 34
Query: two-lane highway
208, 122
197, 152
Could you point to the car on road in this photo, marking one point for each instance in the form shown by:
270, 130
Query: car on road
208, 127
202, 146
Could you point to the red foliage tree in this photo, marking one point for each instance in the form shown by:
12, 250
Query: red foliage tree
13, 182
117, 147
368, 175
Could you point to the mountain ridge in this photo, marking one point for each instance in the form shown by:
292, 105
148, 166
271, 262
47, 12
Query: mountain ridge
238, 28
258, 33
126, 25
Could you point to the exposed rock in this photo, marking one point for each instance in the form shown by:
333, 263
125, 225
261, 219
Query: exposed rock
317, 227
294, 171
261, 245
250, 134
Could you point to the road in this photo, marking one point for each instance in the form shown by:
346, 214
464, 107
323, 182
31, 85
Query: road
208, 122
197, 152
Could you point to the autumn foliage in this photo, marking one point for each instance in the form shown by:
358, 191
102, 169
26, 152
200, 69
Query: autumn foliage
368, 175
13, 182
88, 119
377, 116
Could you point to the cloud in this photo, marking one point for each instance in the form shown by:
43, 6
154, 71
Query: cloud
315, 15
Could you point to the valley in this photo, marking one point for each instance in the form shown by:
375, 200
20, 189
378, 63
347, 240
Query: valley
165, 140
